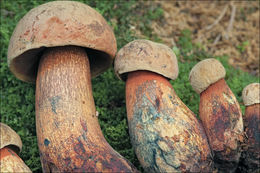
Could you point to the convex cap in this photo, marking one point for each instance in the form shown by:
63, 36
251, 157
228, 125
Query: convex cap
9, 138
146, 55
205, 73
60, 23
251, 94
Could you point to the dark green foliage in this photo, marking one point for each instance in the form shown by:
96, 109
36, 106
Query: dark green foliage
17, 98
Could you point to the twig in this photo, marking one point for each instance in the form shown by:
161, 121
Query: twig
173, 42
217, 39
218, 19
231, 21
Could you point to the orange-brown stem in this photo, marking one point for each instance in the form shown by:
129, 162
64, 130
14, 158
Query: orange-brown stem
165, 134
68, 132
222, 119
251, 153
11, 162
7, 152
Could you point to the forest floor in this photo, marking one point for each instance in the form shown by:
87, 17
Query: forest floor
220, 28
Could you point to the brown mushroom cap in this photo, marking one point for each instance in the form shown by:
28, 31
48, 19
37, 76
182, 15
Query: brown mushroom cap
60, 23
9, 138
146, 55
251, 94
205, 73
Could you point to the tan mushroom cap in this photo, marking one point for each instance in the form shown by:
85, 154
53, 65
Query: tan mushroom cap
205, 73
60, 23
146, 55
9, 137
251, 94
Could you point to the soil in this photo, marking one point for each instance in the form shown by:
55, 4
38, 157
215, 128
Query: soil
222, 27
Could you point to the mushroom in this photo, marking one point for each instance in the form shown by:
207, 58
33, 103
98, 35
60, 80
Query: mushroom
67, 42
10, 147
220, 113
251, 153
165, 134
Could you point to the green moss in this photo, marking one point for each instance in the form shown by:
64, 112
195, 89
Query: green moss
17, 98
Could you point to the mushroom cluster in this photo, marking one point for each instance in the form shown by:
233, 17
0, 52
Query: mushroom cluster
60, 45
166, 135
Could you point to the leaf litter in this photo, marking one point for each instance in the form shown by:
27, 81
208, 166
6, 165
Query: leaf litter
220, 27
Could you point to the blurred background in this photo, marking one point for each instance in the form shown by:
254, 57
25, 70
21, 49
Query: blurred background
194, 30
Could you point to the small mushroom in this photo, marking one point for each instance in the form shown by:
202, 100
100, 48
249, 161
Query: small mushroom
10, 147
67, 42
165, 134
251, 152
220, 113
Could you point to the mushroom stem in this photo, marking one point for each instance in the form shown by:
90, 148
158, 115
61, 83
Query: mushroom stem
68, 132
11, 162
251, 153
165, 134
222, 119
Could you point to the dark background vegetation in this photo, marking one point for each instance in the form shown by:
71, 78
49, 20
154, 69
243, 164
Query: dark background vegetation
17, 98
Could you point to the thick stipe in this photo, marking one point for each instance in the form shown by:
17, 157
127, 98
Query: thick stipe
222, 119
68, 132
251, 152
165, 134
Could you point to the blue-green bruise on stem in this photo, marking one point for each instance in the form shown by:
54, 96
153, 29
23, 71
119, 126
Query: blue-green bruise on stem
165, 134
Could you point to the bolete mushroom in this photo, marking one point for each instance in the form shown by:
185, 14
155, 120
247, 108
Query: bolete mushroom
220, 113
165, 134
10, 147
251, 152
67, 42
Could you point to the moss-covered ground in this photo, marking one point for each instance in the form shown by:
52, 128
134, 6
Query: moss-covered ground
17, 98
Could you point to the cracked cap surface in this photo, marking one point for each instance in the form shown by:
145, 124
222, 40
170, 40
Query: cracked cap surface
60, 23
146, 55
9, 138
251, 94
205, 73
